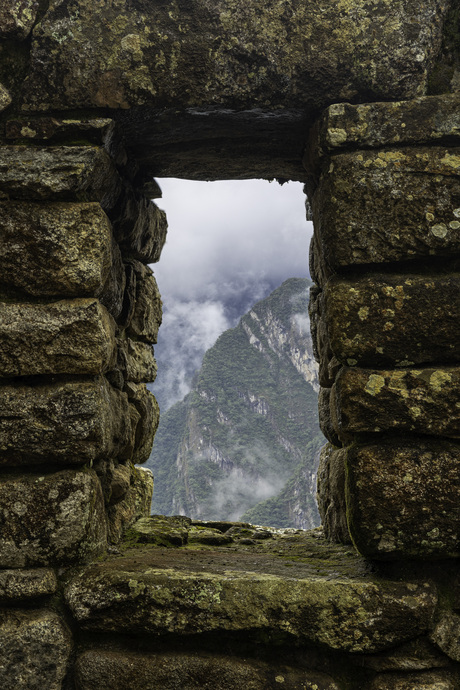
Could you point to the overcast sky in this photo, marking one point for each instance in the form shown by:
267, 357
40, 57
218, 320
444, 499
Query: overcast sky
229, 244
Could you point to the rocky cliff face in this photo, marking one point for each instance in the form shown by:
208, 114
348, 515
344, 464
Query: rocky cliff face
244, 442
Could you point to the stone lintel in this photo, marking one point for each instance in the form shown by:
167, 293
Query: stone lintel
65, 337
403, 498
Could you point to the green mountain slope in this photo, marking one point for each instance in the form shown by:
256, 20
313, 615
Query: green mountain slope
244, 442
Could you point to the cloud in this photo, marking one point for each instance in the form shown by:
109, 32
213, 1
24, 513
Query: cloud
229, 245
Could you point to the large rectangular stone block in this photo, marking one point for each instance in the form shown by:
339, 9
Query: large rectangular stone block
424, 401
60, 173
60, 249
63, 423
54, 519
385, 320
65, 337
403, 498
388, 205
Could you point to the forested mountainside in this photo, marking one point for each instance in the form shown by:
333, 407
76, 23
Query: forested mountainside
244, 443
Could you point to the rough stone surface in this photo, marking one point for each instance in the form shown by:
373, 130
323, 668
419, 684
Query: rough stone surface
147, 312
437, 680
17, 18
21, 585
425, 401
305, 595
388, 320
403, 498
331, 494
5, 98
416, 655
428, 119
162, 531
388, 205
57, 519
55, 249
118, 671
149, 416
36, 647
65, 337
231, 53
58, 173
140, 227
134, 505
325, 420
63, 423
138, 362
446, 635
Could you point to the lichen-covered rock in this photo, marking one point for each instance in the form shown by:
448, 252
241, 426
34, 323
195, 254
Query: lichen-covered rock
17, 18
55, 249
21, 585
149, 416
424, 401
162, 530
58, 173
36, 646
134, 505
331, 494
388, 205
65, 337
54, 519
73, 422
430, 680
188, 592
181, 671
325, 420
446, 635
147, 312
403, 498
387, 320
231, 53
373, 125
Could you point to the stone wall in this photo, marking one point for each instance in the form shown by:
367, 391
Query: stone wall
94, 98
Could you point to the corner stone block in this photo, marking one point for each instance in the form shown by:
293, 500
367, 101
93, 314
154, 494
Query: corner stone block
393, 320
423, 401
137, 361
147, 313
57, 519
331, 494
391, 205
149, 417
403, 498
36, 646
66, 337
60, 249
73, 422
134, 505
58, 173
140, 228
119, 670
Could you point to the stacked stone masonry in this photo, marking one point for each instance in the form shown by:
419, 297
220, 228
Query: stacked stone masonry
359, 100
